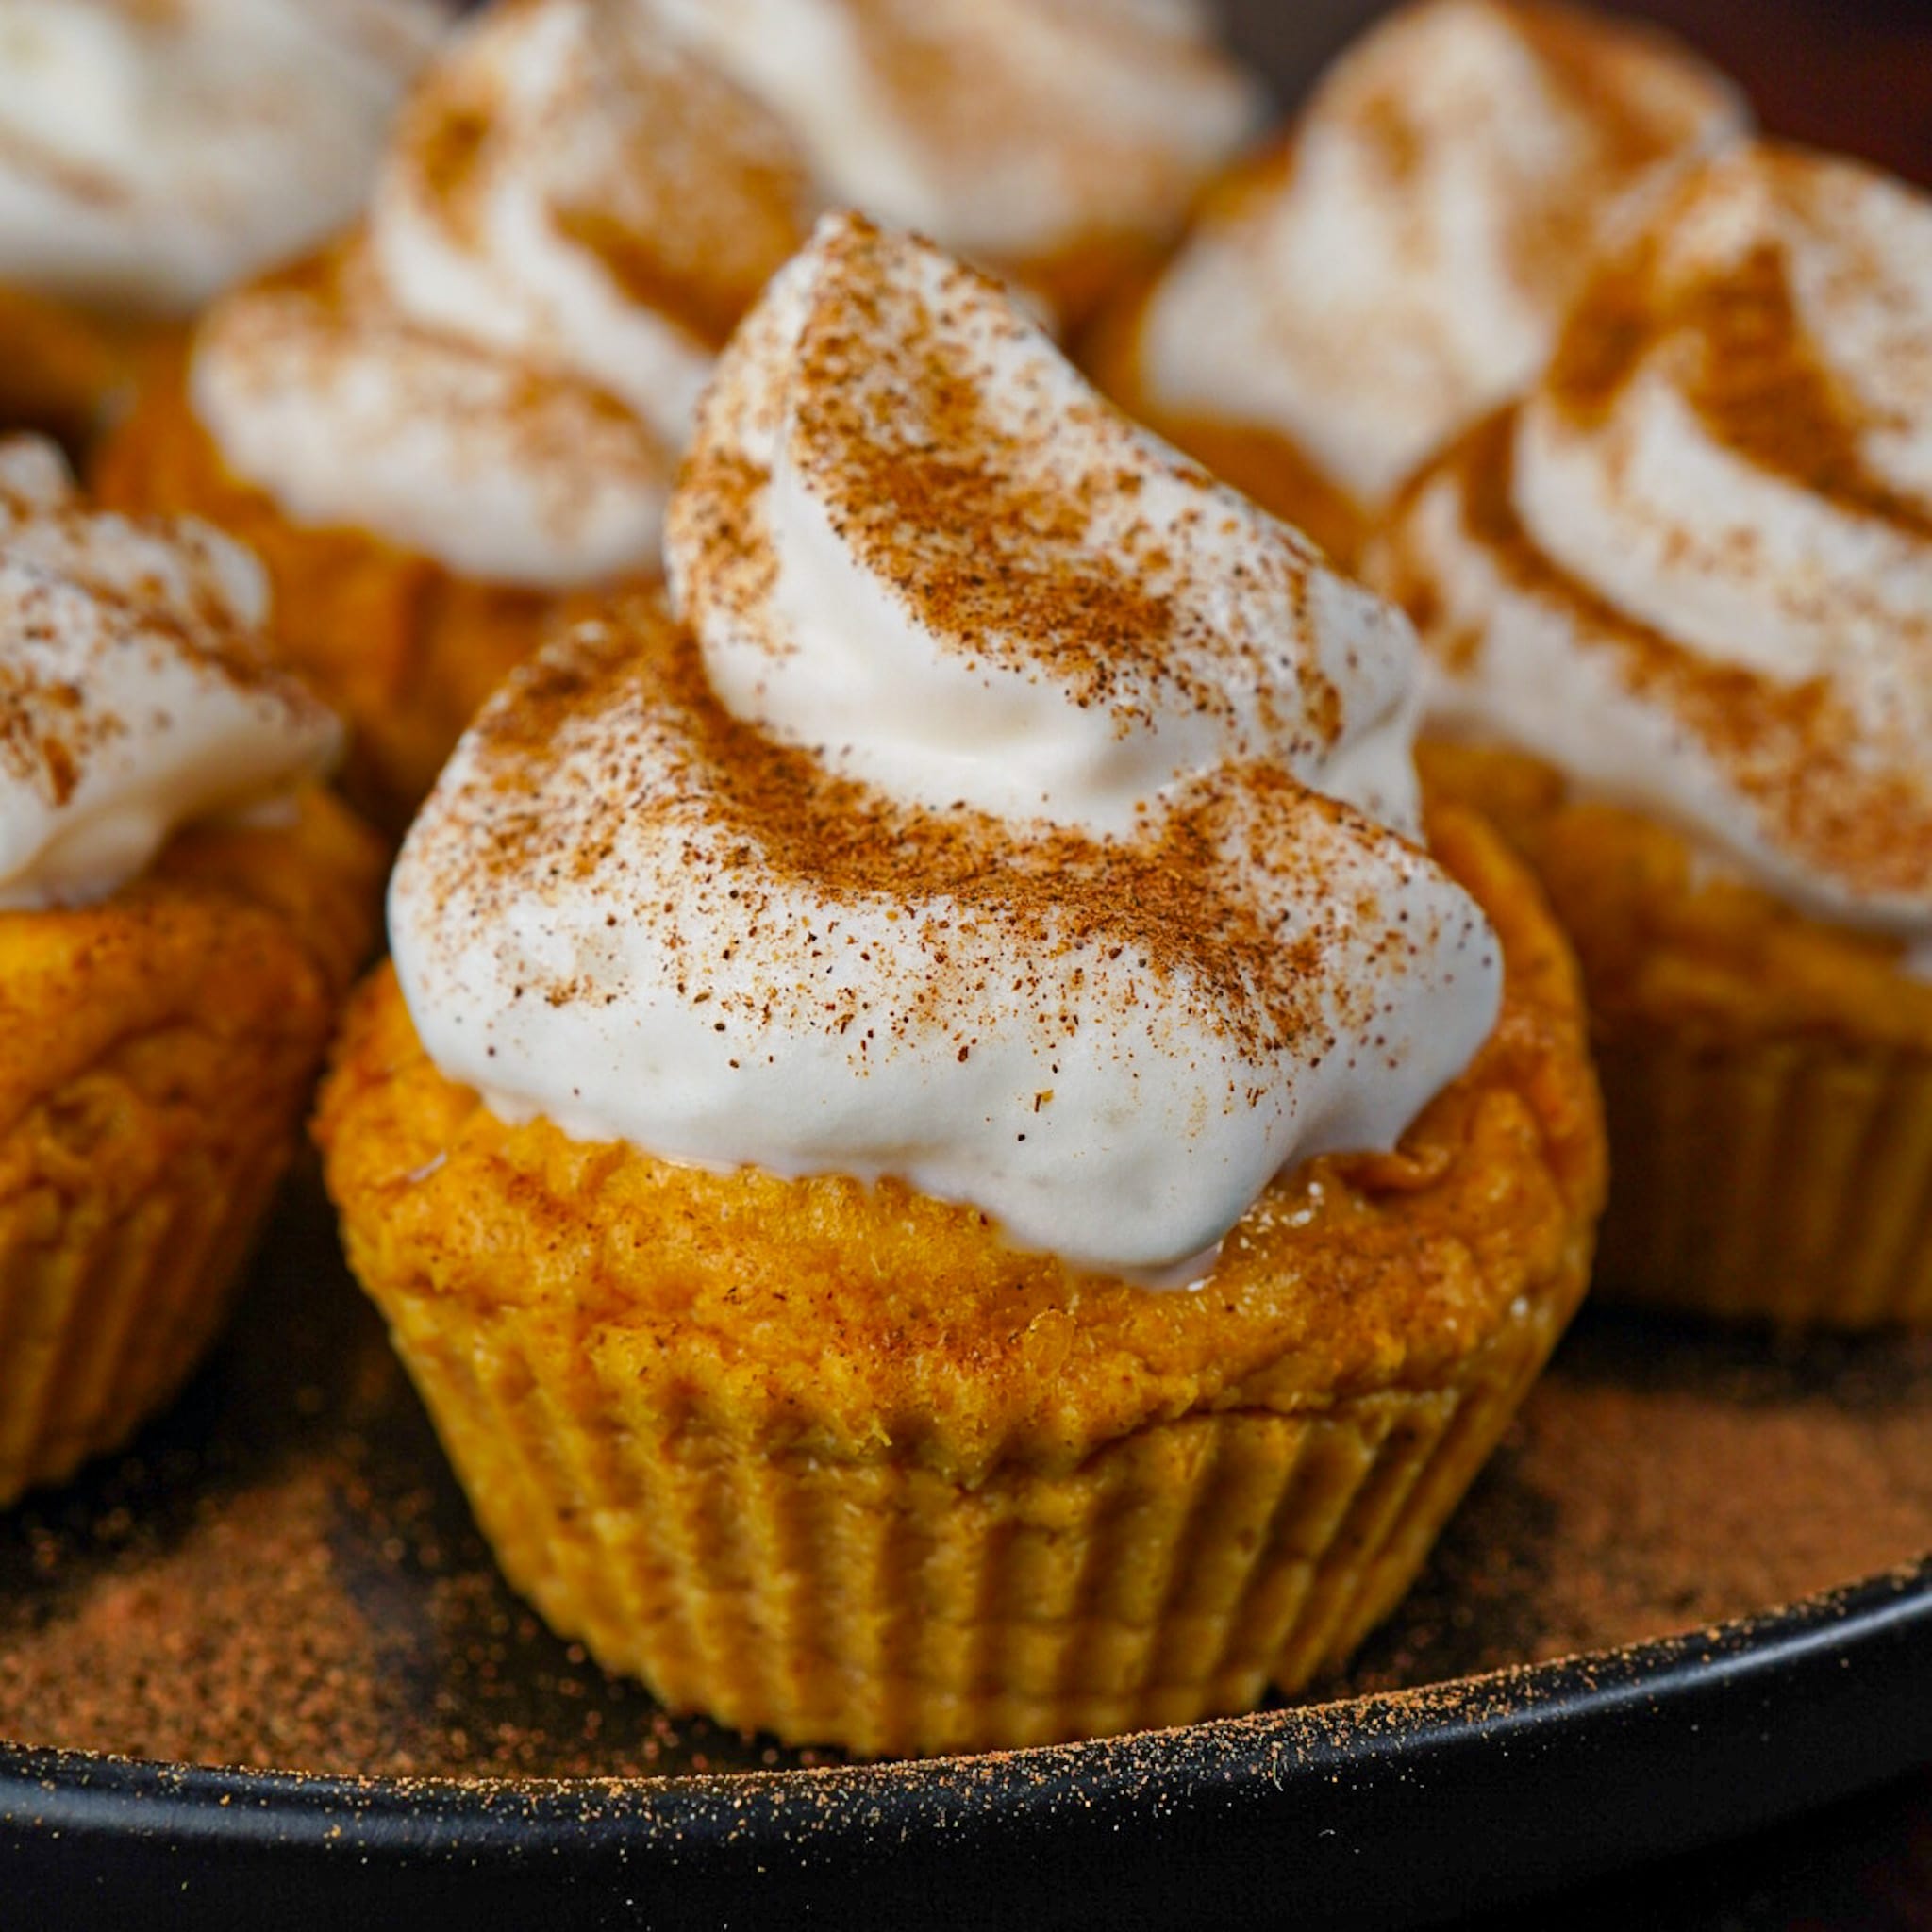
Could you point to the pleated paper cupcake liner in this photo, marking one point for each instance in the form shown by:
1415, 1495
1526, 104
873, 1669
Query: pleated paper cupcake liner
106, 1305
890, 1608
1788, 1181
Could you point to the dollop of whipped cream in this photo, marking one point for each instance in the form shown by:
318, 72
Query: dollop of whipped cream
134, 697
1003, 128
1694, 568
150, 155
1403, 263
1007, 807
499, 369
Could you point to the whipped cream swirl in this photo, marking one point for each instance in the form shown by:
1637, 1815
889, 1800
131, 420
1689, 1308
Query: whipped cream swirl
499, 371
150, 155
134, 697
1008, 809
1694, 568
1403, 264
1006, 130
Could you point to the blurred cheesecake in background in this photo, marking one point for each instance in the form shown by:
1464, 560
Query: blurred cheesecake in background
1399, 262
150, 155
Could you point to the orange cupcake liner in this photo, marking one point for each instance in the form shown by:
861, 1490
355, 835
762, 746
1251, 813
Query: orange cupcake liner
155, 1054
106, 1305
1767, 1077
1788, 1181
1173, 1576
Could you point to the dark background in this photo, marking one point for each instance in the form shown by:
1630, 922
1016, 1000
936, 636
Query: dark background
1855, 75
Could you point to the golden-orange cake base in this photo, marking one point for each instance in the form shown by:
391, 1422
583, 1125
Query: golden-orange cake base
1262, 463
1768, 1078
404, 649
155, 1056
60, 370
831, 1461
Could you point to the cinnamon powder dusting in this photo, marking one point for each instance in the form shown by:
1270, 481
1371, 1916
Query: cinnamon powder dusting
284, 1574
700, 199
449, 151
1170, 905
1004, 545
1631, 101
75, 601
299, 327
973, 107
1664, 1477
957, 509
1757, 381
1791, 749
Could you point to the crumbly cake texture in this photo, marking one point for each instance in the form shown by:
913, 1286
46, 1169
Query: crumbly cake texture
155, 1055
404, 649
835, 1461
1767, 1077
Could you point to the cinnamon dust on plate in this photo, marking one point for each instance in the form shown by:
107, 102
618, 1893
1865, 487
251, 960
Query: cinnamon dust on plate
282, 1573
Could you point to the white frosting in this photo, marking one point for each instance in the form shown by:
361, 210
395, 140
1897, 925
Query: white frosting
823, 615
349, 414
133, 699
1404, 266
1776, 294
452, 390
983, 828
1000, 128
591, 191
149, 155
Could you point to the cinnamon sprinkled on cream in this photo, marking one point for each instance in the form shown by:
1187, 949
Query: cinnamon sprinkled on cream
1404, 264
760, 822
134, 692
1013, 130
571, 217
1061, 924
1101, 606
509, 470
1709, 535
151, 154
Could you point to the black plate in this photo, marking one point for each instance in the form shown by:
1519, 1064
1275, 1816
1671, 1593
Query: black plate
1376, 1810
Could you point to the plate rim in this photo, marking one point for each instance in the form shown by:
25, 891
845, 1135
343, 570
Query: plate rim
1389, 1809
1384, 1721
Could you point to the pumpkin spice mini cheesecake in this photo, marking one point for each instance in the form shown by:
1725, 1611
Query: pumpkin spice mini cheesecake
949, 1167
181, 906
151, 155
1680, 610
1399, 263
1060, 143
